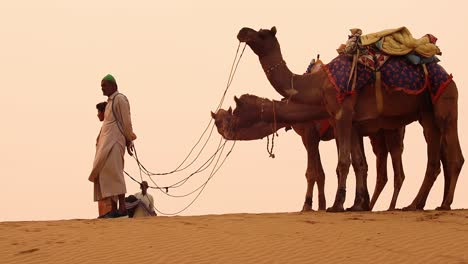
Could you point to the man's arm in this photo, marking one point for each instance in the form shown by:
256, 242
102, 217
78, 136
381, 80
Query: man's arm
151, 200
123, 112
153, 213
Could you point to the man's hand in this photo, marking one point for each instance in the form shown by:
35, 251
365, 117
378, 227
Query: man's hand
91, 179
130, 148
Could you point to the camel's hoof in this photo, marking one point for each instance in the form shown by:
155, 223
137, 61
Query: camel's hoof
410, 208
393, 209
335, 209
444, 208
306, 209
357, 208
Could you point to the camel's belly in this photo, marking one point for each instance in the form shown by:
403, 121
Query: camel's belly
372, 126
395, 105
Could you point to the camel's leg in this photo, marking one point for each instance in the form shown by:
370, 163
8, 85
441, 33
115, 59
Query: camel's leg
358, 159
443, 158
394, 142
343, 128
321, 184
446, 114
311, 139
433, 140
381, 153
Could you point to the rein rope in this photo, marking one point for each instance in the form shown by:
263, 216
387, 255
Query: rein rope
205, 165
230, 79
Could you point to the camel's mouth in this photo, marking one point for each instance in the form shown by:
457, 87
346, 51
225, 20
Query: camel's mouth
225, 123
245, 34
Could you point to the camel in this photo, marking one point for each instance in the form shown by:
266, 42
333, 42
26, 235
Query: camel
255, 118
358, 112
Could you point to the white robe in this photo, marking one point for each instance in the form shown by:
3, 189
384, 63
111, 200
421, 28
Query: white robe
148, 201
107, 173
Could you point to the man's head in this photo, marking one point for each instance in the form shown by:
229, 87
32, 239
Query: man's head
144, 187
101, 108
108, 85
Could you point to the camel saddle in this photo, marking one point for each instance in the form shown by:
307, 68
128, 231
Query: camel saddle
391, 58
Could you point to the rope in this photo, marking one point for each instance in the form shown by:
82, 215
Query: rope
200, 169
205, 165
232, 72
274, 129
202, 187
179, 183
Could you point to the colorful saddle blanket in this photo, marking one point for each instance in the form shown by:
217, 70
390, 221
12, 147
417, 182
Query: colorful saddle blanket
397, 73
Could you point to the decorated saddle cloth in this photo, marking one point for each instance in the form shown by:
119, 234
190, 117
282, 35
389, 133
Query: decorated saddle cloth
397, 73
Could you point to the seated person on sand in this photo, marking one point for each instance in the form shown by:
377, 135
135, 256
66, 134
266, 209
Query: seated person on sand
140, 204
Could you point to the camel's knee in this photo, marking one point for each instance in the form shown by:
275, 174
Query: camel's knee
360, 167
343, 166
398, 180
311, 177
381, 180
358, 161
433, 170
460, 163
456, 165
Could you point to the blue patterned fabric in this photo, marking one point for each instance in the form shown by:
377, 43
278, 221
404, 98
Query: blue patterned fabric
397, 73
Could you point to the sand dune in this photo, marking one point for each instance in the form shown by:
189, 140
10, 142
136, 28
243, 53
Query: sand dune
316, 237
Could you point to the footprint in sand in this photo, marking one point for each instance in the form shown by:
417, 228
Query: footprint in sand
28, 251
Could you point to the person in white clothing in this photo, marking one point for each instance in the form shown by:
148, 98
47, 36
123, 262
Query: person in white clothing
142, 203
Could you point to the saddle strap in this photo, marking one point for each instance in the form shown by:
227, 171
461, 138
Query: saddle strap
378, 91
353, 73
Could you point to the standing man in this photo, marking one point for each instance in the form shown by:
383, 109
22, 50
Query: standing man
116, 134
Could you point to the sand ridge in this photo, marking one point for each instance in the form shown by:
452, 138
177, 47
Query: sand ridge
315, 237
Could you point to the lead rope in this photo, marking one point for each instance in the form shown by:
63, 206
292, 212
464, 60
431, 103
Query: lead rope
274, 129
179, 168
203, 167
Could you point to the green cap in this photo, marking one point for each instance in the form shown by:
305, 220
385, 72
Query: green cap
109, 78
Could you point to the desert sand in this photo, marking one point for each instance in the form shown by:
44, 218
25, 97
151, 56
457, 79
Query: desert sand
315, 237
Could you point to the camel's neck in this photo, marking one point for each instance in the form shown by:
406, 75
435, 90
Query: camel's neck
299, 88
290, 112
258, 131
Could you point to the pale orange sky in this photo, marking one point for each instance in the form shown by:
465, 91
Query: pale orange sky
172, 61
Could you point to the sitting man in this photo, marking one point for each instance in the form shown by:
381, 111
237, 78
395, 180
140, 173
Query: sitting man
141, 204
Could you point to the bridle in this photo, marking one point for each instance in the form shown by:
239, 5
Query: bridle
268, 70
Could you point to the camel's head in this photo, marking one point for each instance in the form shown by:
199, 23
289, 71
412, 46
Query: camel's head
245, 122
262, 42
223, 121
248, 110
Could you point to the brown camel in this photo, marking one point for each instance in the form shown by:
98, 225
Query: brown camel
360, 112
255, 118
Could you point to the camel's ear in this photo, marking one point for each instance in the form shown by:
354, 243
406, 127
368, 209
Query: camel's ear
213, 115
238, 102
273, 31
230, 110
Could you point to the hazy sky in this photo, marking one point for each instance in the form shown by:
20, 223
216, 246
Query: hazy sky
172, 60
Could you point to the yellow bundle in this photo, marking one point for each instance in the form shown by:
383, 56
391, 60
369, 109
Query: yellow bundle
400, 42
